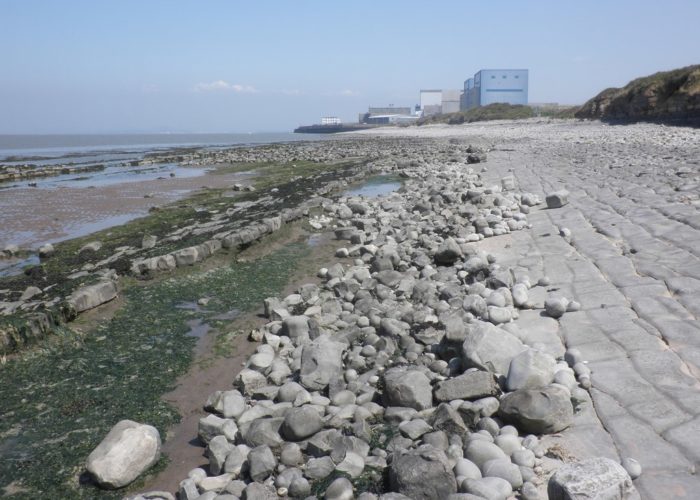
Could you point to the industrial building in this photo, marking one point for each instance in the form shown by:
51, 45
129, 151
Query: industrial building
387, 114
450, 101
389, 110
496, 85
431, 102
330, 120
391, 119
378, 111
435, 102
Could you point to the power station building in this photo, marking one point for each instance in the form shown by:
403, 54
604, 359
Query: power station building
496, 85
450, 101
431, 102
387, 114
331, 120
435, 102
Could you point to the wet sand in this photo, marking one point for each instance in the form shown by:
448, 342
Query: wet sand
211, 373
30, 217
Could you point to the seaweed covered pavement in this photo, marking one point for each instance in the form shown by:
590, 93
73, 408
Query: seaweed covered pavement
515, 321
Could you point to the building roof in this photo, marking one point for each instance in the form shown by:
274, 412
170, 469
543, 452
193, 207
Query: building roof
502, 69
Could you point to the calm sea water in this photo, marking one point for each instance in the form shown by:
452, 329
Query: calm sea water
40, 149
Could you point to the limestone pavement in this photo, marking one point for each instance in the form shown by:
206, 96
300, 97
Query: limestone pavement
627, 247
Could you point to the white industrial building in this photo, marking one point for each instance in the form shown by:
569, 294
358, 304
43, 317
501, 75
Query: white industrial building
331, 120
450, 101
431, 102
435, 102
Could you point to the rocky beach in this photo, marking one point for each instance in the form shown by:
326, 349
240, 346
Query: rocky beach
510, 313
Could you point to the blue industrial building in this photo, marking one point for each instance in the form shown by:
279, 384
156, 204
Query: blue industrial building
496, 85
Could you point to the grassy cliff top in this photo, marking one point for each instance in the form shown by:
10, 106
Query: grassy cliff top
673, 95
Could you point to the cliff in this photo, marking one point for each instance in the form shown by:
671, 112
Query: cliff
672, 96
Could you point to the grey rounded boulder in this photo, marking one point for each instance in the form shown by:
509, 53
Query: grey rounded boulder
409, 388
540, 411
530, 369
448, 252
128, 450
300, 423
422, 474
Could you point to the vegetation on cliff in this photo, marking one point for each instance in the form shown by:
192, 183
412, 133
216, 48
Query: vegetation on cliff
664, 96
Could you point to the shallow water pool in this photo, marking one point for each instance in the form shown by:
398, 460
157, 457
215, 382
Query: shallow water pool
377, 185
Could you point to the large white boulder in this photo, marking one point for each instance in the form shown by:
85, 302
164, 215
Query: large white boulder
128, 450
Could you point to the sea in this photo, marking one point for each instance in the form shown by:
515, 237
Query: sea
94, 148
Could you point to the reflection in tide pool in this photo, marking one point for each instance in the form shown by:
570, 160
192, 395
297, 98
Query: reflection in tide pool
375, 186
114, 175
13, 267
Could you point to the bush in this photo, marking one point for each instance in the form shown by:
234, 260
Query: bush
496, 111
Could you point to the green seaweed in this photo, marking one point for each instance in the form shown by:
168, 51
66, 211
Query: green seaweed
60, 399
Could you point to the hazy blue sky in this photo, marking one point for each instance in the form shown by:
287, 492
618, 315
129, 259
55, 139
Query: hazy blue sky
234, 66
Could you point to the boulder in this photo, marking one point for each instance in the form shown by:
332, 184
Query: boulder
217, 451
128, 450
479, 451
92, 296
422, 474
530, 369
248, 381
409, 388
30, 292
340, 489
264, 431
555, 307
91, 247
504, 469
261, 463
470, 385
301, 423
187, 256
448, 252
212, 426
539, 411
557, 199
296, 328
490, 348
593, 478
447, 419
321, 362
46, 251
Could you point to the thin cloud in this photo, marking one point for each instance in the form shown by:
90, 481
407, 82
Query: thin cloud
291, 92
222, 85
342, 93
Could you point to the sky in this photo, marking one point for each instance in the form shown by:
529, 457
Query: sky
147, 66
